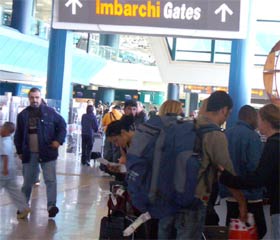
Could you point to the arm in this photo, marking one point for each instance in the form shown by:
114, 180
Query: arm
5, 165
60, 126
18, 137
238, 195
259, 177
94, 124
220, 156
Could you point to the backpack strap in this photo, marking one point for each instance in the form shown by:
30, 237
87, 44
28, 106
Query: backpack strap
112, 117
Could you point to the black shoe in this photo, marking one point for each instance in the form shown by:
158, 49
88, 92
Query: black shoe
53, 210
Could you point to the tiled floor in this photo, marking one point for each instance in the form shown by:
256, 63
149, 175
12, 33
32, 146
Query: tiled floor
82, 198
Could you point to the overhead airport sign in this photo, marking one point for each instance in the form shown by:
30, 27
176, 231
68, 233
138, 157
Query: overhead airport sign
204, 18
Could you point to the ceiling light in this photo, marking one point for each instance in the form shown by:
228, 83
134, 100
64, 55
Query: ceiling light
8, 3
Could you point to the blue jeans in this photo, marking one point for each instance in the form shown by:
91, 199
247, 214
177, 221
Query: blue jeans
275, 226
30, 172
186, 224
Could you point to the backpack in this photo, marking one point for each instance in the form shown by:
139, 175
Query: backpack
163, 161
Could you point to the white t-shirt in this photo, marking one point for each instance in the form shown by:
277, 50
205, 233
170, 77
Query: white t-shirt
6, 148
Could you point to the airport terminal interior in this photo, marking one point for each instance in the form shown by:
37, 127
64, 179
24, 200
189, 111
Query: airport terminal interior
110, 68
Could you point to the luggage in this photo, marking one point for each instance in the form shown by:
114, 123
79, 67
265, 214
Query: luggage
215, 232
97, 149
112, 227
121, 214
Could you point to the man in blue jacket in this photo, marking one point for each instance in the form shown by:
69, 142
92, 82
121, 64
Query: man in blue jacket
245, 150
39, 133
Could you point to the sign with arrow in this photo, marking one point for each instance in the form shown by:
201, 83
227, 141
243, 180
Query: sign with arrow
204, 18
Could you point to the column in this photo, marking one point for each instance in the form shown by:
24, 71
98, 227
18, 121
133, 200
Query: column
111, 40
242, 53
22, 15
60, 68
106, 95
173, 90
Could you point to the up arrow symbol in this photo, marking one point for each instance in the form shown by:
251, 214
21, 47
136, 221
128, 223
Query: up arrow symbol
74, 3
223, 9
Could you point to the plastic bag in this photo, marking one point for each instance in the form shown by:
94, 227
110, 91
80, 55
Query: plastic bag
239, 230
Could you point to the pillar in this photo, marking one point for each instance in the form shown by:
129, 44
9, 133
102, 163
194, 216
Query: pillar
241, 66
22, 15
173, 90
111, 40
106, 95
59, 69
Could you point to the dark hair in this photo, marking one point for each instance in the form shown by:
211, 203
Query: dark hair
34, 89
130, 103
115, 128
117, 107
247, 112
10, 126
89, 109
219, 100
271, 114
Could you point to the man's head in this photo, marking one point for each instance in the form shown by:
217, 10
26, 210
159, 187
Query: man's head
249, 115
130, 107
34, 96
219, 105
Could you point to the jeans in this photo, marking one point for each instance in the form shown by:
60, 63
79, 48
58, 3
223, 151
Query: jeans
30, 171
186, 224
17, 197
275, 226
87, 144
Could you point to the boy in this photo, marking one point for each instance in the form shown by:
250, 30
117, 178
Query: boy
8, 170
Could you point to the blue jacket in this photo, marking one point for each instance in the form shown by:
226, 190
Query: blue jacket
89, 124
51, 127
245, 150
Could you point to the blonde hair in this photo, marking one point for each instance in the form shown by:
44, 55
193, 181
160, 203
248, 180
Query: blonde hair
271, 114
170, 106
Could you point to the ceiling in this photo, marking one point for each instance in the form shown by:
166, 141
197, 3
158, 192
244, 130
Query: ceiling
42, 8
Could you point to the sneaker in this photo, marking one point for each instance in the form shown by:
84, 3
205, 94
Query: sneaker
23, 214
53, 210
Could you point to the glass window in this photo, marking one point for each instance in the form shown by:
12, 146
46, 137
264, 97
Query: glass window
194, 44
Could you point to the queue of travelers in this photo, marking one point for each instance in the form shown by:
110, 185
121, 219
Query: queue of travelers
236, 157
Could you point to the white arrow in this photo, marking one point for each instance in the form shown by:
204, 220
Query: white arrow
74, 3
223, 9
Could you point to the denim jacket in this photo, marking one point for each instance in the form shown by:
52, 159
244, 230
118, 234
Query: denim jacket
50, 127
245, 150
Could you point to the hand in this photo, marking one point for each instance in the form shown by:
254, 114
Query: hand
5, 172
221, 168
122, 160
55, 144
243, 212
112, 168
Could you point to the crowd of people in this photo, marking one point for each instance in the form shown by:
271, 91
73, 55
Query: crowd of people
236, 157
